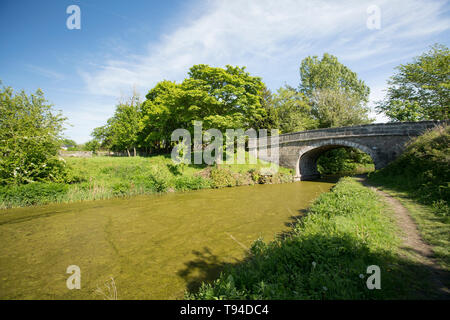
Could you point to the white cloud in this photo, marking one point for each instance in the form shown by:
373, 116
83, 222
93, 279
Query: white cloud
272, 37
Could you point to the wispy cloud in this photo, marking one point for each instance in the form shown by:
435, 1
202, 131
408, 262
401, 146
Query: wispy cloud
45, 72
271, 38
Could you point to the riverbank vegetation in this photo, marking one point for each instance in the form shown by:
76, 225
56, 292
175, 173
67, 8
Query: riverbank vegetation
419, 178
423, 170
326, 256
329, 95
106, 177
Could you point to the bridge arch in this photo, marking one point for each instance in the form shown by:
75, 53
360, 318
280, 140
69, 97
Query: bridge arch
306, 168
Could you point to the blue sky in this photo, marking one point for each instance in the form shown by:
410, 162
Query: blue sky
134, 44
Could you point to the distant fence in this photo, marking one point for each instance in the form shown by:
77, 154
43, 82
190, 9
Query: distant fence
76, 154
90, 154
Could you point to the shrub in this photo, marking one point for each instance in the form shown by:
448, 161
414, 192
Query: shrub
158, 181
120, 188
32, 194
222, 177
186, 183
29, 139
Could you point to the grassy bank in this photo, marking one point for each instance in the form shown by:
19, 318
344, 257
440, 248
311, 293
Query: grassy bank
107, 177
422, 171
420, 179
326, 256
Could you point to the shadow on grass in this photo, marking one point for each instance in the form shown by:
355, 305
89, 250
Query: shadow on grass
205, 267
300, 268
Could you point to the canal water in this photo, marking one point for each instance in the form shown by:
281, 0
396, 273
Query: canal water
146, 247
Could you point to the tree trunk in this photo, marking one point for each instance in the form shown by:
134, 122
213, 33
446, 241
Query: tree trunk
128, 151
134, 149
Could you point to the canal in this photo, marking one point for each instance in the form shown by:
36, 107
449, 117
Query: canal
147, 247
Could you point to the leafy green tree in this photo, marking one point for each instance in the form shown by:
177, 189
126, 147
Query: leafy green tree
327, 82
124, 126
329, 73
221, 98
420, 90
30, 138
333, 108
92, 145
103, 136
162, 113
271, 120
293, 110
68, 142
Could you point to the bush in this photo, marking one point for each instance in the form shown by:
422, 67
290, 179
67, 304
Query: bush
221, 177
158, 181
121, 188
31, 194
29, 139
191, 183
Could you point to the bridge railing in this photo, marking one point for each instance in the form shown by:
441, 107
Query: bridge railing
393, 128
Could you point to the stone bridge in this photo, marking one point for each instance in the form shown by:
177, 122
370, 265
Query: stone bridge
382, 142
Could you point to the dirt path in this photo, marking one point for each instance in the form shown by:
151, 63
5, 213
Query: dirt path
414, 243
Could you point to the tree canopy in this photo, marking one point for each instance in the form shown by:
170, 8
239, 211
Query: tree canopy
336, 95
328, 73
227, 98
420, 90
121, 133
30, 137
293, 110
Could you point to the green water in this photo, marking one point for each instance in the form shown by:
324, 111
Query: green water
154, 247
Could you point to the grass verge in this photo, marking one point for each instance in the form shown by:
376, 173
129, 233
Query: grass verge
326, 256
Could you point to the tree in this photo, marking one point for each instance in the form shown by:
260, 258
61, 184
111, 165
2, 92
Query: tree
293, 110
30, 138
420, 90
271, 120
227, 98
333, 108
68, 142
103, 136
124, 126
335, 93
329, 73
92, 145
122, 130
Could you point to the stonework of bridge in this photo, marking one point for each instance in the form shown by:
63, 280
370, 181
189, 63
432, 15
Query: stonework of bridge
382, 142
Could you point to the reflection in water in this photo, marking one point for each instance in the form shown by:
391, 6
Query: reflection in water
154, 247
